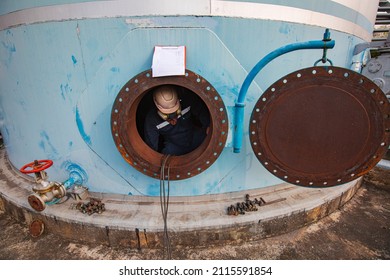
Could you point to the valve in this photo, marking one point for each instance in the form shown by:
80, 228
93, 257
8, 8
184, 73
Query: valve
43, 194
37, 167
46, 192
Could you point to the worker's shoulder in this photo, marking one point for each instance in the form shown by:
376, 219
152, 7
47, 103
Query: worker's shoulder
152, 118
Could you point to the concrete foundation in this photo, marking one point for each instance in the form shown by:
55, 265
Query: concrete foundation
136, 221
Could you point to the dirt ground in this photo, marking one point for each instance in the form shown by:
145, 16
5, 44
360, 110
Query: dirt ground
360, 230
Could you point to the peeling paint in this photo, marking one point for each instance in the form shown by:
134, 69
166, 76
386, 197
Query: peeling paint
10, 47
7, 51
74, 60
46, 145
65, 90
284, 28
80, 126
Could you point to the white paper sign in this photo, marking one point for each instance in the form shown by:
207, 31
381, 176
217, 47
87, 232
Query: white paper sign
169, 61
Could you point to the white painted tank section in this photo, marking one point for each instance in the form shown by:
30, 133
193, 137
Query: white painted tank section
252, 9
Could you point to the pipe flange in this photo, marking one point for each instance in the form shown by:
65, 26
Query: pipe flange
77, 172
60, 191
36, 202
36, 228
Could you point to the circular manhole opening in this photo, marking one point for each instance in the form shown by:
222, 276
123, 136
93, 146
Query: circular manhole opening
130, 111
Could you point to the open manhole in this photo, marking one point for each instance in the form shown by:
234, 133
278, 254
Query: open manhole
127, 120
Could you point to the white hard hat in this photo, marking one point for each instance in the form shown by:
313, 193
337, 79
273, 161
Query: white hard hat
166, 99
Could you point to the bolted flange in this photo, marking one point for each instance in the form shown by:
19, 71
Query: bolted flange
36, 202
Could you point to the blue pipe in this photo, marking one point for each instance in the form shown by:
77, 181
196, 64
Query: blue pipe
239, 106
77, 176
74, 178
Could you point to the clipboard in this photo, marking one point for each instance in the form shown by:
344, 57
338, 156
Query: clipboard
169, 61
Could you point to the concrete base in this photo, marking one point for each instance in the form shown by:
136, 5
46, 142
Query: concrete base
136, 221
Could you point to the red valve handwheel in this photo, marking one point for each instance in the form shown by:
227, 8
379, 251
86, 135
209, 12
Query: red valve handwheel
36, 166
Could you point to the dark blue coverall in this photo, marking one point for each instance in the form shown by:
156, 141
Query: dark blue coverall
183, 137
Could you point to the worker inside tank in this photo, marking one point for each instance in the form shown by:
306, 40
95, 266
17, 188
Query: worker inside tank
178, 123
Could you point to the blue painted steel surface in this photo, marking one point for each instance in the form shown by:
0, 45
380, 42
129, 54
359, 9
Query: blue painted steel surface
60, 78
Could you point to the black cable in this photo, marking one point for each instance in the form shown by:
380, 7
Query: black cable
164, 202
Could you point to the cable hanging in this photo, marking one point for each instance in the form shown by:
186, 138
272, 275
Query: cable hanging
164, 202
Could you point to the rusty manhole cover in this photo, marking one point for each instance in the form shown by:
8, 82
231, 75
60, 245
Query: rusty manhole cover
320, 126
